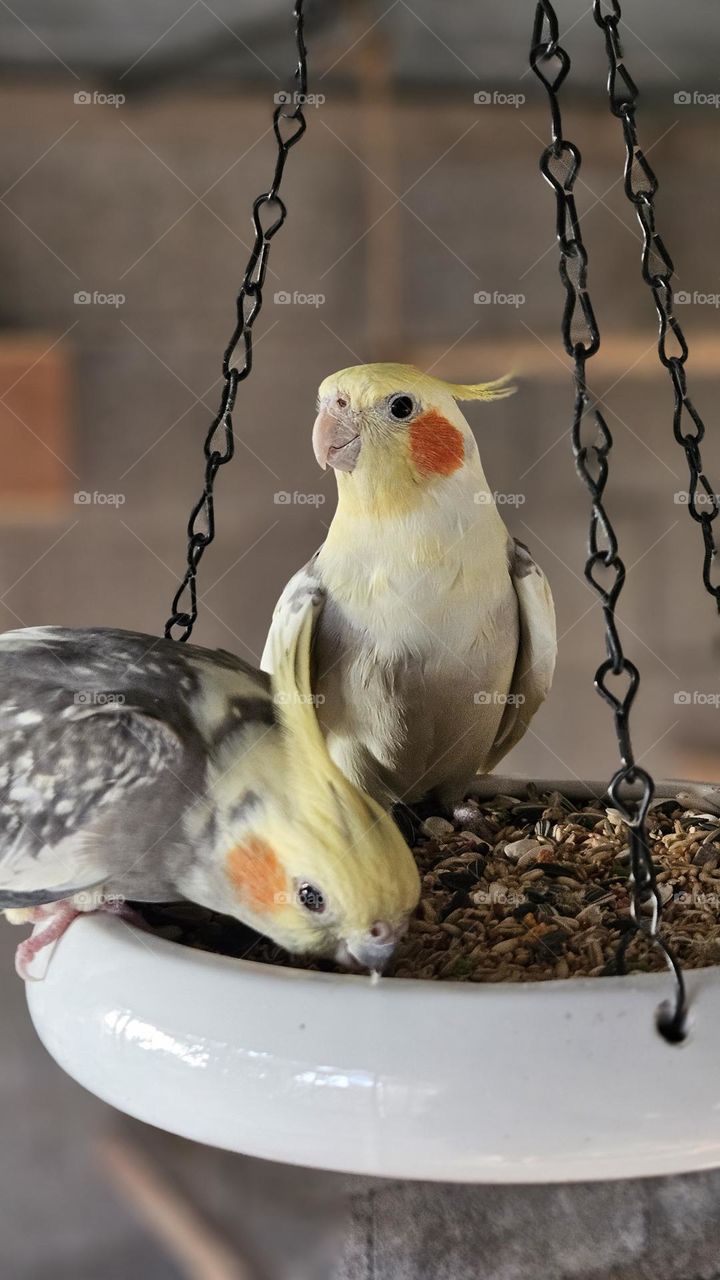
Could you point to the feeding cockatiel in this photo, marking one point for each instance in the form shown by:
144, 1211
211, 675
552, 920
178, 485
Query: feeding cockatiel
437, 641
137, 768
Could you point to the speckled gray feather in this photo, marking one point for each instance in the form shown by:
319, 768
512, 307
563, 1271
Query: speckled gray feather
106, 737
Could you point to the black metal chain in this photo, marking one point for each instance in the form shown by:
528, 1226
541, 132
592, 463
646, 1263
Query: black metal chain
268, 215
631, 788
641, 186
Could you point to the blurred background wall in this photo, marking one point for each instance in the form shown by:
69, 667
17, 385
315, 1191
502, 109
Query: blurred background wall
419, 229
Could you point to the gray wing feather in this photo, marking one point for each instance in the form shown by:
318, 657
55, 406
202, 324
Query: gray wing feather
63, 780
91, 722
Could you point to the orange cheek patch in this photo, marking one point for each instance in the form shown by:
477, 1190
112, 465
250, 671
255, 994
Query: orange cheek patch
436, 446
256, 873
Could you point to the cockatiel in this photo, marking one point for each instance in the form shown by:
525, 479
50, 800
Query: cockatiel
437, 641
137, 768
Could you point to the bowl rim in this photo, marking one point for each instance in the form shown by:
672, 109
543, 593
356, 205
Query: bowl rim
333, 1071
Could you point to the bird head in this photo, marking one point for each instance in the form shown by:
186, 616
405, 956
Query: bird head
327, 872
337, 880
390, 431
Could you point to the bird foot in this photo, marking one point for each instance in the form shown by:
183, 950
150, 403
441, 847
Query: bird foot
49, 923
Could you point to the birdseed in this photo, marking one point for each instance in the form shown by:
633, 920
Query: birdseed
523, 891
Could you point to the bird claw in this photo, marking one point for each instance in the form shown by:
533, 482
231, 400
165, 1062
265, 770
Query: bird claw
49, 924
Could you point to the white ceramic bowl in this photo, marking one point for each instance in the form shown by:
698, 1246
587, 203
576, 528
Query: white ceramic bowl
447, 1081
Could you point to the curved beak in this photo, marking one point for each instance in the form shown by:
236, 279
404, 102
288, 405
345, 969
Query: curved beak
336, 443
371, 951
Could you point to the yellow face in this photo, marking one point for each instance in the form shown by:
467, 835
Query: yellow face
339, 882
391, 425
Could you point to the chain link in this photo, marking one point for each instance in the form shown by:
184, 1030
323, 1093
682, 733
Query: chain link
268, 215
641, 186
617, 678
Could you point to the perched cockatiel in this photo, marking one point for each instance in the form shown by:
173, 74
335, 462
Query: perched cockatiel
138, 768
437, 642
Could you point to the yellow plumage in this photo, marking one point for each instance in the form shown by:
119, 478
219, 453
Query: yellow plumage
215, 788
342, 838
437, 643
369, 382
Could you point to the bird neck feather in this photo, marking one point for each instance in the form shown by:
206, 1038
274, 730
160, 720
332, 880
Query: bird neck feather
453, 520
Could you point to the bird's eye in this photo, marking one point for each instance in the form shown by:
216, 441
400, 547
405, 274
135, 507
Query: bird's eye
401, 407
310, 898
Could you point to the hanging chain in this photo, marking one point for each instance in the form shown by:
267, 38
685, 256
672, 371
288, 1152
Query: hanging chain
268, 215
631, 789
641, 186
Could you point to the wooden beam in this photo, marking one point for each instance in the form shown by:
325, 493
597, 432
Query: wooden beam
195, 1245
35, 452
628, 355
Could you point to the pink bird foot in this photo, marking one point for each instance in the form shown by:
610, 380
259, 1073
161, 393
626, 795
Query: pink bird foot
49, 924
